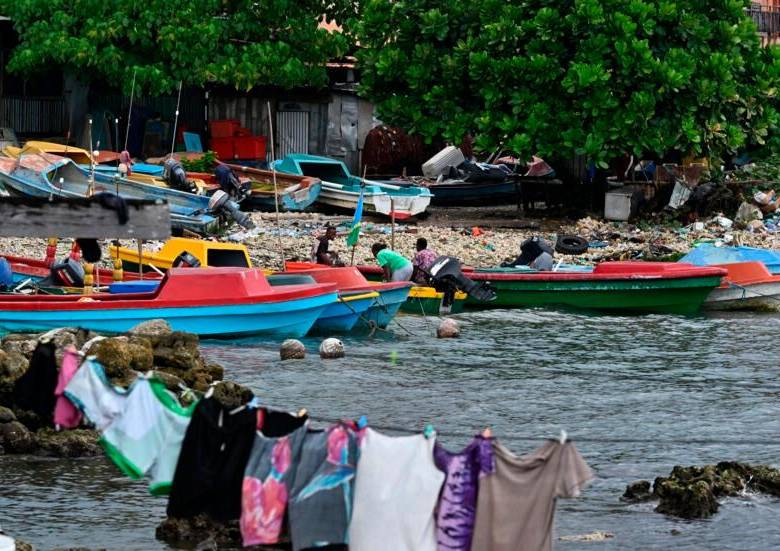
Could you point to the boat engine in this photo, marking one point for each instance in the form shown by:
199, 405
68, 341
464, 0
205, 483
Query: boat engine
221, 202
447, 277
176, 177
186, 260
69, 272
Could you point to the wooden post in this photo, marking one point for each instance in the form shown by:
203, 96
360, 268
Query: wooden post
392, 223
141, 259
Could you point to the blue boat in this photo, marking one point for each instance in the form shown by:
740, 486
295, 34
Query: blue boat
341, 190
45, 175
385, 307
707, 254
341, 316
210, 302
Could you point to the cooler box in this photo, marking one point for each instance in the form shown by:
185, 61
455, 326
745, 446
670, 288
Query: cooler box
249, 147
147, 286
225, 128
225, 148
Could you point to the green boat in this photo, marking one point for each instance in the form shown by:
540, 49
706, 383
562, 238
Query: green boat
428, 301
643, 287
622, 287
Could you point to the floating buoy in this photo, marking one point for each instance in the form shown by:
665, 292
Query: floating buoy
292, 349
331, 348
448, 329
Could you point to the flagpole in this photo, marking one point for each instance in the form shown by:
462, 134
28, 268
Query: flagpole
356, 219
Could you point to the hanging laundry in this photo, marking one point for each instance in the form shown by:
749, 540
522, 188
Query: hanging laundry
92, 392
457, 508
321, 497
269, 476
147, 436
34, 390
516, 505
66, 415
213, 457
396, 489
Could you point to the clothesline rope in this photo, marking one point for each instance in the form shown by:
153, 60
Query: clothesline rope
597, 440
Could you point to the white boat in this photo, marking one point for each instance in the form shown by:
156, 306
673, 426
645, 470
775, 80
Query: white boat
341, 190
748, 286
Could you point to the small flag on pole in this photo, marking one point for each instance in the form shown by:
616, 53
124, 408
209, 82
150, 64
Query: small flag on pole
354, 233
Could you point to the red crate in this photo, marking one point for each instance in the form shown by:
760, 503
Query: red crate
225, 148
250, 147
226, 128
243, 132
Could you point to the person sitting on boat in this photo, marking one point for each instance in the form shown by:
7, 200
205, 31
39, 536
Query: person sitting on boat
321, 254
535, 253
422, 262
394, 266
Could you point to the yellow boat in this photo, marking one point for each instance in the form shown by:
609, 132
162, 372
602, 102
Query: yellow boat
428, 301
208, 253
78, 155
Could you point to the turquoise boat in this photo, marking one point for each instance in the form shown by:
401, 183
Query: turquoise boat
339, 317
45, 175
341, 190
385, 307
210, 302
707, 254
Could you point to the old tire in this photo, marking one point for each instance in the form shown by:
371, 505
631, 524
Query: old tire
571, 244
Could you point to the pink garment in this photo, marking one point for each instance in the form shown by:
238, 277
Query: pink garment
65, 413
124, 157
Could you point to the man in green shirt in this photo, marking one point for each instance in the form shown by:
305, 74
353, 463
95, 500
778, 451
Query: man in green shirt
395, 266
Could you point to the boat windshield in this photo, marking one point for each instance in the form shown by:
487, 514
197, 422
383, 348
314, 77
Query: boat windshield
225, 257
328, 172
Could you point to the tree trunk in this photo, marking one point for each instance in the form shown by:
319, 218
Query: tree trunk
77, 107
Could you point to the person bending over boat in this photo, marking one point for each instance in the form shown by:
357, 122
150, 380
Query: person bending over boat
321, 253
422, 262
535, 253
394, 266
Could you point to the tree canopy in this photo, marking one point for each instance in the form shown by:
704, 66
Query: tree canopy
599, 78
242, 43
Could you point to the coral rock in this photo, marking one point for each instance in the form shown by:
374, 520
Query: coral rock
69, 443
6, 415
638, 491
15, 438
156, 328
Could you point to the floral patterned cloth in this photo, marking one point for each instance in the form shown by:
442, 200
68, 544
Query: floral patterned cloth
268, 478
321, 502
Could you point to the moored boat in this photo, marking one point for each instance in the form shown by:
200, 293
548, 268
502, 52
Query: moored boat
430, 302
208, 253
341, 190
212, 302
747, 286
385, 307
708, 254
45, 175
295, 192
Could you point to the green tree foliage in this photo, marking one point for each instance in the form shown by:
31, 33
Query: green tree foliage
243, 43
600, 78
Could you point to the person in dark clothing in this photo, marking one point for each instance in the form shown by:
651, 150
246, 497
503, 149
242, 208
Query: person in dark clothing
321, 254
34, 390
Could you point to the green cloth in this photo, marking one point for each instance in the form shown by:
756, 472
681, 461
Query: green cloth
392, 260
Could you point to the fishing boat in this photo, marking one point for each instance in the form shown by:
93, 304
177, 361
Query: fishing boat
341, 190
34, 269
391, 297
296, 193
662, 287
208, 253
430, 302
45, 175
460, 193
708, 254
339, 317
211, 302
747, 286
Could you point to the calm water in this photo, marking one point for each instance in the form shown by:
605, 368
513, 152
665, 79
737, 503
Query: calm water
653, 380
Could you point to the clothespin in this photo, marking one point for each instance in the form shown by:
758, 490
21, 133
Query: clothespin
210, 391
428, 432
487, 433
303, 412
362, 422
563, 437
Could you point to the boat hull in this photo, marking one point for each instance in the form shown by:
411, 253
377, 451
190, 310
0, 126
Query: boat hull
428, 302
474, 194
385, 308
759, 296
342, 316
287, 319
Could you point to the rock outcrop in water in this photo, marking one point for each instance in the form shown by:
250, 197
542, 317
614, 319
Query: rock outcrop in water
693, 492
152, 345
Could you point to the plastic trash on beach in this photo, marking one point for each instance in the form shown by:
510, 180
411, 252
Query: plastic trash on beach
441, 162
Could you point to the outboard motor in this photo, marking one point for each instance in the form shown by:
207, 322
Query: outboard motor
176, 177
230, 184
221, 202
186, 260
448, 278
68, 273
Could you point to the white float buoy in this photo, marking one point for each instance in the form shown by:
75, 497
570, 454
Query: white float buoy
448, 329
331, 348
